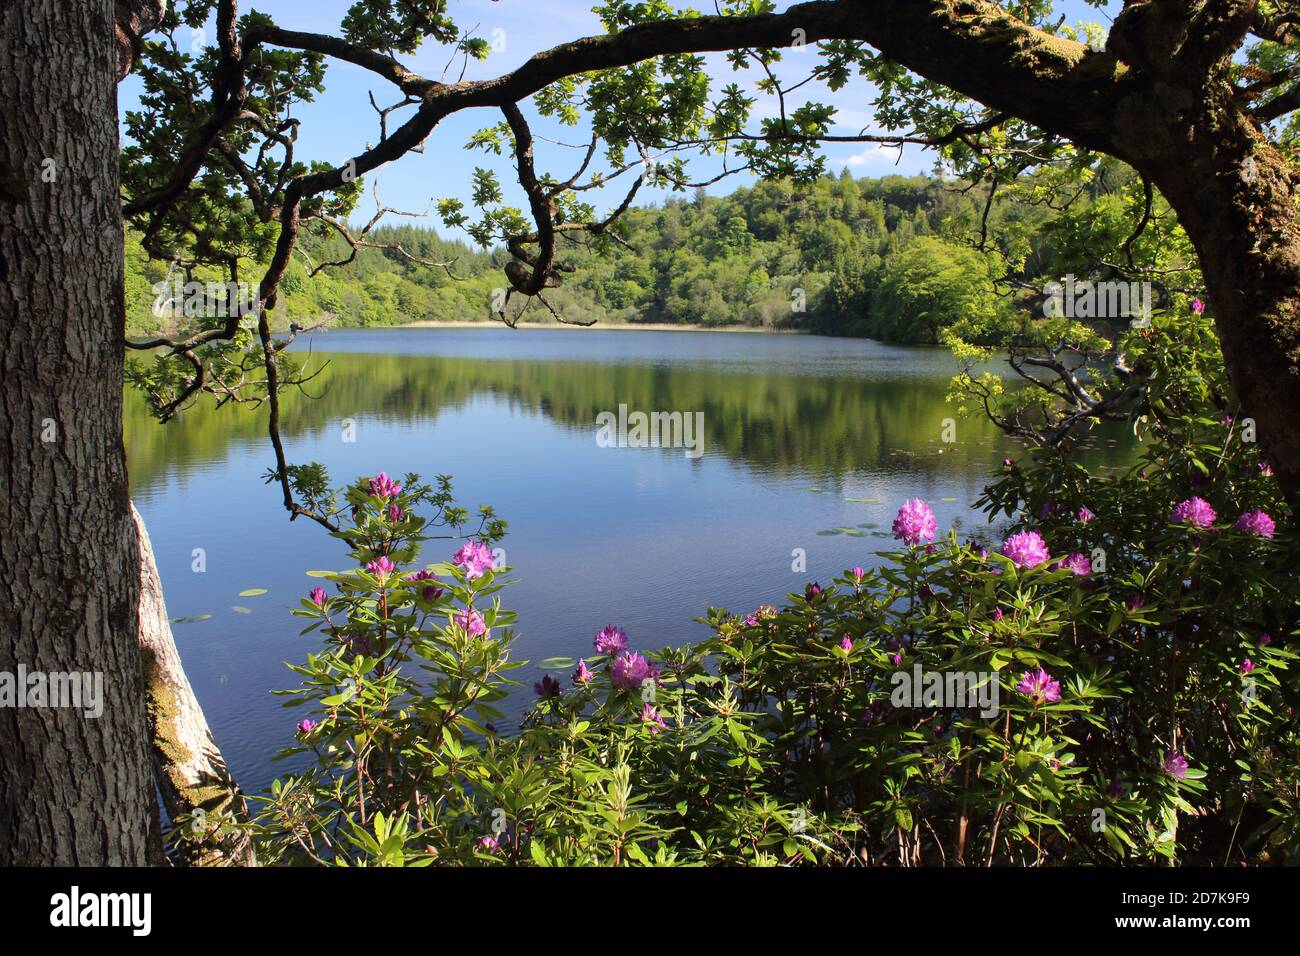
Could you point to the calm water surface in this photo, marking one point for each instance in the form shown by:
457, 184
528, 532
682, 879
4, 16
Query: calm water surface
795, 427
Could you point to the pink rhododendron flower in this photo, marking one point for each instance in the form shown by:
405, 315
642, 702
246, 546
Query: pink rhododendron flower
1078, 563
548, 686
318, 596
381, 486
629, 670
474, 558
1256, 522
1026, 549
610, 640
653, 718
306, 726
1051, 507
489, 843
846, 644
1085, 515
395, 513
1175, 764
1265, 640
751, 620
858, 574
381, 567
1039, 687
583, 674
430, 592
1194, 512
997, 614
1247, 666
915, 523
1198, 306
471, 622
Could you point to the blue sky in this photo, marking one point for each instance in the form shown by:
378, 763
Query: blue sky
342, 121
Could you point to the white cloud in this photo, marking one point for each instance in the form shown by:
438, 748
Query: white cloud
874, 153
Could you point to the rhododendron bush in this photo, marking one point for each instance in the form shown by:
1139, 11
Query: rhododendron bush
1128, 641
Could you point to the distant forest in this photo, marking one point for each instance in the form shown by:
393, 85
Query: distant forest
894, 258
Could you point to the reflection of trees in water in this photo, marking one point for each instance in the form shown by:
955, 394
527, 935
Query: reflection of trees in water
775, 423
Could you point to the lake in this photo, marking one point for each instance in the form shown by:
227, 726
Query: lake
808, 443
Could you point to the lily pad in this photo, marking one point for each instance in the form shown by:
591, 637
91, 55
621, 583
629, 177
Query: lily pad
241, 610
191, 618
557, 663
252, 592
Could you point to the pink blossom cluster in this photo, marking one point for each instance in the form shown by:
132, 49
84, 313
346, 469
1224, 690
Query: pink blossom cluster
1026, 549
381, 486
474, 558
1039, 687
915, 523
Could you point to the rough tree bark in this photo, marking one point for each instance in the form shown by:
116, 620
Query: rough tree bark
74, 790
188, 768
134, 19
1245, 235
1236, 196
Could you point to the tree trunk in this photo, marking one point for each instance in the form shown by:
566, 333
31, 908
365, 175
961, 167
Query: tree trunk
75, 789
188, 767
1236, 196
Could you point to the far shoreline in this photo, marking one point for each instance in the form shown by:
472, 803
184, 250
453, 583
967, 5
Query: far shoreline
620, 326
